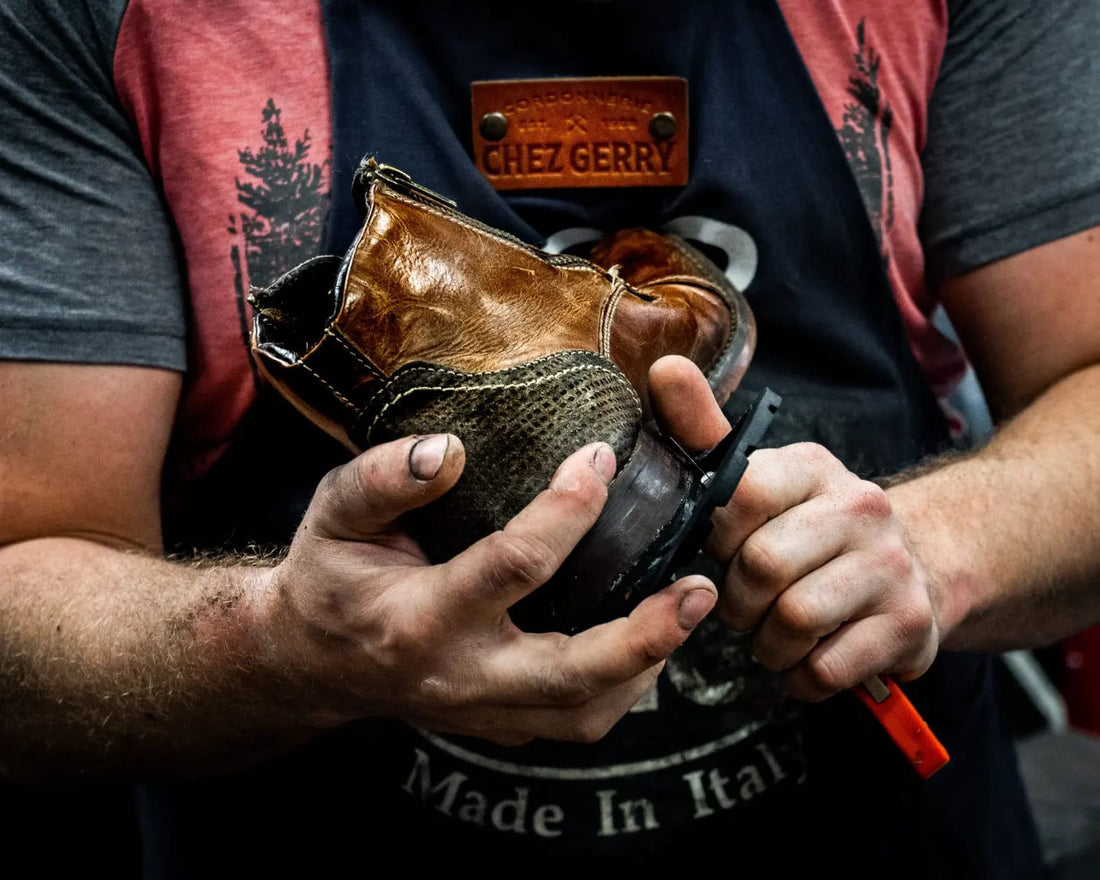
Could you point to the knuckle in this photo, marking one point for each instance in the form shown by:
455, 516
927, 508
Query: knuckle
752, 492
520, 560
913, 624
896, 559
869, 501
585, 498
815, 454
361, 486
829, 673
758, 564
329, 482
368, 472
330, 493
565, 686
797, 612
921, 662
916, 665
650, 649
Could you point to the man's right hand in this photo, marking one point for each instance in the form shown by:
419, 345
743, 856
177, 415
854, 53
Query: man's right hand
115, 661
366, 626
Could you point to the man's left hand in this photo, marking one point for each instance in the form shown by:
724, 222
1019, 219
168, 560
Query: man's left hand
819, 566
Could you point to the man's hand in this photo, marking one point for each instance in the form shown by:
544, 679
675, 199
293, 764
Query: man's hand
367, 627
113, 660
818, 564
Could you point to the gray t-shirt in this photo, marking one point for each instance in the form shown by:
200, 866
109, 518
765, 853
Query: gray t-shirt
1013, 153
90, 269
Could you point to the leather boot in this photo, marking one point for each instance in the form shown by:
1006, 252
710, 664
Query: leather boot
434, 322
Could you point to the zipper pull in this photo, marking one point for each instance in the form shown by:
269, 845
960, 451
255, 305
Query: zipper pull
370, 170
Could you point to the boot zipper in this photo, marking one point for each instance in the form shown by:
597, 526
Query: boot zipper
404, 184
401, 181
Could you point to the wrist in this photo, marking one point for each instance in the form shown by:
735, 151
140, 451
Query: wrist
291, 656
243, 616
936, 552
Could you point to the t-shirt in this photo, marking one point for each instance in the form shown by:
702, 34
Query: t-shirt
174, 168
130, 127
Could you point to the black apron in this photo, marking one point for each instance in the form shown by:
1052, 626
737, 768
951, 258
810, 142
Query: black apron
717, 764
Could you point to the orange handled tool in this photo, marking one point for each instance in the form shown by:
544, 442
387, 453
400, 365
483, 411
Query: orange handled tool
903, 722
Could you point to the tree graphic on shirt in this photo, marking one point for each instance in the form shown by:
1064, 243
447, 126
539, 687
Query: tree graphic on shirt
286, 201
865, 137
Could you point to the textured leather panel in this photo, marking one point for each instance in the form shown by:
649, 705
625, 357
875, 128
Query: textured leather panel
516, 426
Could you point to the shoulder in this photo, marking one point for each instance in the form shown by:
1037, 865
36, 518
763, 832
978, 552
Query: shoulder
74, 34
1014, 131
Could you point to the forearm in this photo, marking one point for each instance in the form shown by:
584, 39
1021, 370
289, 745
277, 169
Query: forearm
121, 662
1009, 534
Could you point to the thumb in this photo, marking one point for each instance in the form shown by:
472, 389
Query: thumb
685, 405
365, 496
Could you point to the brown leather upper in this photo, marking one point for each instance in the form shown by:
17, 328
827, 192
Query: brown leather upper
684, 305
424, 283
424, 287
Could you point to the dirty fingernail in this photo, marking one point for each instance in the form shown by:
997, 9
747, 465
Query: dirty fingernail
427, 454
694, 606
603, 460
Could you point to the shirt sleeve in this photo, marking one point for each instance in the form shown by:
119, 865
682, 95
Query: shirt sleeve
1012, 159
89, 266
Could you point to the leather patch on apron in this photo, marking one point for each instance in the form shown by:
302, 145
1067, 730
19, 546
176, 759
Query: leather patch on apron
603, 131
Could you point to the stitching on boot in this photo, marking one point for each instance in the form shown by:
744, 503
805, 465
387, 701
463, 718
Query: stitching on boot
355, 353
706, 269
618, 288
566, 354
330, 387
501, 386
